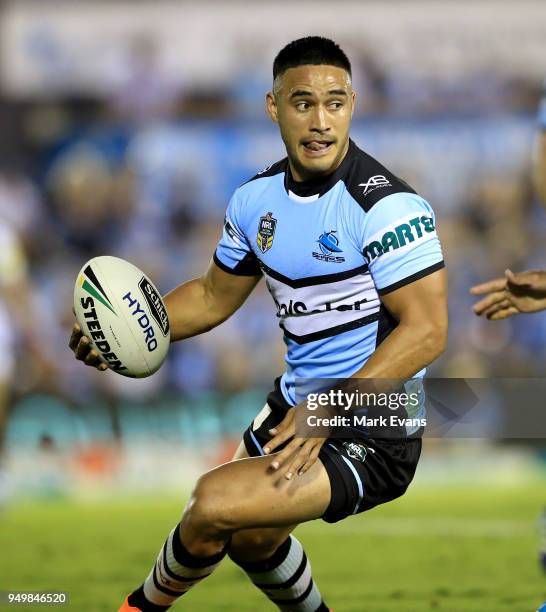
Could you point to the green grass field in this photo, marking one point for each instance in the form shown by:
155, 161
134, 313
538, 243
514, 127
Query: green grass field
453, 550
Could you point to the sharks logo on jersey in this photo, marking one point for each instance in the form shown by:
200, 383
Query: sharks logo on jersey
329, 246
266, 232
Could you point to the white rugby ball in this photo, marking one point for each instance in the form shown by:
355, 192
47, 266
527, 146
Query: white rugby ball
120, 310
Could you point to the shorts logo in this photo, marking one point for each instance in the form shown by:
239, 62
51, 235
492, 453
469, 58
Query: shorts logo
375, 182
266, 232
329, 246
356, 451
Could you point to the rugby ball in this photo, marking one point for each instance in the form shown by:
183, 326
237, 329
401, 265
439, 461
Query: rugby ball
120, 310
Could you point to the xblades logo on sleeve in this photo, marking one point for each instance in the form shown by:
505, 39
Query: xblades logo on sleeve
329, 246
374, 182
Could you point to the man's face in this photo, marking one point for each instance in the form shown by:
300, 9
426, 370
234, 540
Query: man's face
313, 106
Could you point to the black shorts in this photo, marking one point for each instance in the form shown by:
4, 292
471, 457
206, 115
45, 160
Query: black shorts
363, 472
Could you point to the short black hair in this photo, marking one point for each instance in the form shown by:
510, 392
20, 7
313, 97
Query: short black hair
314, 50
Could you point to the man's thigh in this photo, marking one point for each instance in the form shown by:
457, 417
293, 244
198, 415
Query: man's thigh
253, 495
252, 544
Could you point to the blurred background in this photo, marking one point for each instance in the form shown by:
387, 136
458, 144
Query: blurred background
126, 126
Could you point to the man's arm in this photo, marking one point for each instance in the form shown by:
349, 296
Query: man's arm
421, 335
203, 303
193, 308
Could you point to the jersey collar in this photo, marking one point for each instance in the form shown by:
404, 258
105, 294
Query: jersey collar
308, 191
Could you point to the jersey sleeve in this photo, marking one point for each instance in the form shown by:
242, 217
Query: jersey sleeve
233, 253
400, 241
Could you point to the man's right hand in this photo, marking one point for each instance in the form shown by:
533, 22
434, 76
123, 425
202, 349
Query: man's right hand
81, 346
513, 294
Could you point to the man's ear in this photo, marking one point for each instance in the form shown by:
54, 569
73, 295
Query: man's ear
353, 100
271, 106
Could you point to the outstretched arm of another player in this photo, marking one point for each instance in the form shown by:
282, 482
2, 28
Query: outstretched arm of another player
420, 337
524, 292
193, 308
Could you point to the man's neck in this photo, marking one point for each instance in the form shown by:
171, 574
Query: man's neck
301, 176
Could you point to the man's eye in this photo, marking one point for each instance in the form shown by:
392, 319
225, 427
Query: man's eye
302, 105
336, 104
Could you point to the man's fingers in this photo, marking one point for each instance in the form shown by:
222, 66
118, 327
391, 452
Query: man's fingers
494, 298
94, 361
503, 304
277, 441
312, 458
503, 314
301, 458
496, 284
282, 457
520, 279
284, 424
279, 438
75, 337
92, 358
82, 348
298, 458
305, 456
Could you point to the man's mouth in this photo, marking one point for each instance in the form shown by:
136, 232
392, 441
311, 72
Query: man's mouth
317, 145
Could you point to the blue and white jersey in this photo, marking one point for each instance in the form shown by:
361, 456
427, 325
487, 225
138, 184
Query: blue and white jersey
329, 250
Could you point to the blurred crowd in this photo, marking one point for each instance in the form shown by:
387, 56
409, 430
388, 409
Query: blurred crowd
146, 173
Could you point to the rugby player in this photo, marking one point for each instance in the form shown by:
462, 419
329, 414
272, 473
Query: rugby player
351, 258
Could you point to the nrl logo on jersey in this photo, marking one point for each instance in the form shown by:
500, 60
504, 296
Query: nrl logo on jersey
266, 232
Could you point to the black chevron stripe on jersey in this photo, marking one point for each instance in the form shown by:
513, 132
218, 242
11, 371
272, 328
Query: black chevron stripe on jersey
309, 281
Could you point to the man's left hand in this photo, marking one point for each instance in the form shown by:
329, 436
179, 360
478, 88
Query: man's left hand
299, 454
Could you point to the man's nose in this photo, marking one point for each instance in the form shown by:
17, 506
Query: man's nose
319, 121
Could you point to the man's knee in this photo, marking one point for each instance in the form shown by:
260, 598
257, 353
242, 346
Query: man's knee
256, 544
208, 508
